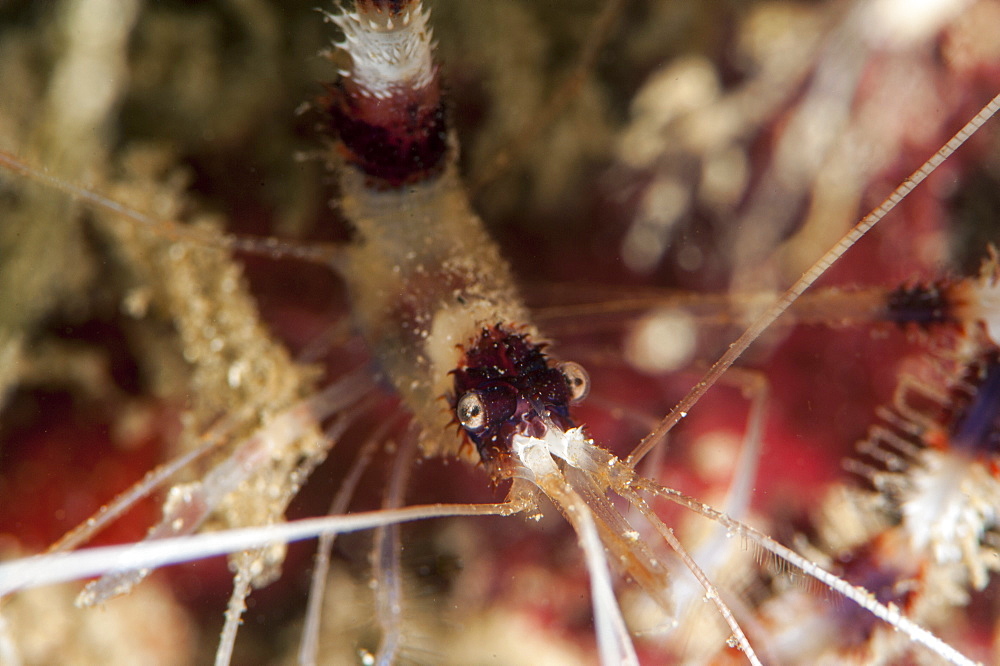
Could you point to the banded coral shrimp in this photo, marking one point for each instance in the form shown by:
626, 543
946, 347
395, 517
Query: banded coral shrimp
139, 297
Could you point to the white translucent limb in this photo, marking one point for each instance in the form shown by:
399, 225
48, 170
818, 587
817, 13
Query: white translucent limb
62, 567
740, 491
317, 349
234, 611
623, 480
613, 640
126, 500
243, 567
711, 592
890, 613
587, 476
388, 570
622, 541
274, 248
309, 647
583, 455
188, 506
761, 324
713, 551
341, 394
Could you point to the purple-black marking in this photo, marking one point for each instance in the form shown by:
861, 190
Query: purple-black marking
921, 304
398, 140
514, 381
975, 419
866, 568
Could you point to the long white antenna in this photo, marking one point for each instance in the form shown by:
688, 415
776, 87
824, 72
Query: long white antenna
62, 567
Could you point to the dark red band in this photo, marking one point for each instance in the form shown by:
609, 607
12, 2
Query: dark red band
399, 139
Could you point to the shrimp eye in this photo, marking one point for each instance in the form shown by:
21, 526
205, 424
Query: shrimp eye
471, 411
578, 380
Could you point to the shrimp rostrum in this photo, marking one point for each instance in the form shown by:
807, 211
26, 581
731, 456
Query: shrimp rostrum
438, 310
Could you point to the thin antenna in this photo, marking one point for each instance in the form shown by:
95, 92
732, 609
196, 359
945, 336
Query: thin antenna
309, 646
326, 254
711, 591
153, 480
62, 567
